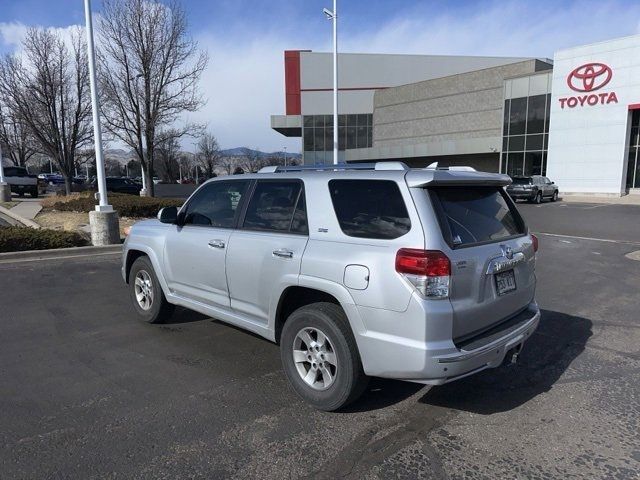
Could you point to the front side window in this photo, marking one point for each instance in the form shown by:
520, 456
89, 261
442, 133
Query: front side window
273, 207
370, 208
473, 215
215, 204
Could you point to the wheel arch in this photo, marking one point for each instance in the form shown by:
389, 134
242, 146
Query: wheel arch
313, 290
135, 251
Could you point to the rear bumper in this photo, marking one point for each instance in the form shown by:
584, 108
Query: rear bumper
522, 194
442, 361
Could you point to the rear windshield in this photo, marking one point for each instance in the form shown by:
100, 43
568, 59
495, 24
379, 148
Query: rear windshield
521, 181
370, 208
473, 215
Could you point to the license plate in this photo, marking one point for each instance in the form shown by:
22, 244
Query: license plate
505, 282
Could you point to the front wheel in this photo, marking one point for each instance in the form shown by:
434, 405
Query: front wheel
320, 357
554, 198
146, 293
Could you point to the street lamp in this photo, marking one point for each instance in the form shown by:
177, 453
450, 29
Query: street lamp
333, 16
285, 156
104, 220
5, 188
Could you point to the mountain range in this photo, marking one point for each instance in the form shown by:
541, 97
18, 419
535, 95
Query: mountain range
124, 156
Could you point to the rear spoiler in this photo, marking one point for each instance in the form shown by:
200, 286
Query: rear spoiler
433, 178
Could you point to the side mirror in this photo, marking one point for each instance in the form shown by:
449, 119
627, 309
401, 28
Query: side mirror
553, 183
168, 215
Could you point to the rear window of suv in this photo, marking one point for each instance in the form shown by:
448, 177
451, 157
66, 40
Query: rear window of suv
370, 208
475, 215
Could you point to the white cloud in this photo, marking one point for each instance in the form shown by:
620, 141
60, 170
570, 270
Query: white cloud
12, 34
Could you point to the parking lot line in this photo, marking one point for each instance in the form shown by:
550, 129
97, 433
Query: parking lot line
607, 240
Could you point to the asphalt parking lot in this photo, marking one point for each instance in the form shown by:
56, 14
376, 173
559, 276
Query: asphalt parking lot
89, 392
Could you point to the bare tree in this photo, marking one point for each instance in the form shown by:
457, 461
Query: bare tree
48, 89
167, 153
228, 164
150, 70
208, 154
17, 144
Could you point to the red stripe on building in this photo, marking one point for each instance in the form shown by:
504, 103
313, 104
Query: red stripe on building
341, 89
634, 106
292, 82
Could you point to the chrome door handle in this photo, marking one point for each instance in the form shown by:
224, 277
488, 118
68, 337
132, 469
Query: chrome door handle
283, 253
216, 243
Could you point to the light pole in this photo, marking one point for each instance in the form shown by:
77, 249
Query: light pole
285, 156
104, 220
5, 188
333, 16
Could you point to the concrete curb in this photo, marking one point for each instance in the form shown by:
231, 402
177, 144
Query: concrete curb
25, 221
33, 255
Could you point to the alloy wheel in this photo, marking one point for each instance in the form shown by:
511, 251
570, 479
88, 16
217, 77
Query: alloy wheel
315, 358
143, 287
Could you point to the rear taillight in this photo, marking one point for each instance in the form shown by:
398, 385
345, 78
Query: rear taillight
427, 270
534, 240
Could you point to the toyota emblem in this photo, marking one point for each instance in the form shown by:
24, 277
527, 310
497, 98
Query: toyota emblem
507, 251
589, 77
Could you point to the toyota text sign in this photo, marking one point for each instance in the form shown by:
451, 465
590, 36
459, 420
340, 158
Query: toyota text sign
586, 79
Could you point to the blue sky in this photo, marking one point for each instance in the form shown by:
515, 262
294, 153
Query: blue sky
245, 38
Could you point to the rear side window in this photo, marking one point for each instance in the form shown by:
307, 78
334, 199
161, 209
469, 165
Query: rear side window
370, 208
277, 206
473, 215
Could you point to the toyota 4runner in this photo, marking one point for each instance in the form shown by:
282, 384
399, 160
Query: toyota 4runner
359, 270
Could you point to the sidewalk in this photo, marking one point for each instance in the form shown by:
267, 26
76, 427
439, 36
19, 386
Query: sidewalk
27, 209
633, 199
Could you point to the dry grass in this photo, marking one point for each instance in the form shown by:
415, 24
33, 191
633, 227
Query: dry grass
49, 201
73, 221
8, 205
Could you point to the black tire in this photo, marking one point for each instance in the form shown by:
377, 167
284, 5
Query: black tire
349, 380
554, 197
34, 194
159, 309
21, 194
538, 199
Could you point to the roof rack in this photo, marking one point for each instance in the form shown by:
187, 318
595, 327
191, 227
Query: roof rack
339, 166
453, 168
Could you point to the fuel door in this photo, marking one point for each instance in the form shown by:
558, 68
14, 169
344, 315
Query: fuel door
356, 277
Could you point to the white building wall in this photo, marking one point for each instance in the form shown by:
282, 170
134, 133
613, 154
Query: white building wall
588, 143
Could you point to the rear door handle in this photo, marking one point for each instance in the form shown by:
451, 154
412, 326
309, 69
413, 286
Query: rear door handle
216, 243
283, 253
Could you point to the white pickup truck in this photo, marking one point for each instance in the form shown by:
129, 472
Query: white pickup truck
22, 182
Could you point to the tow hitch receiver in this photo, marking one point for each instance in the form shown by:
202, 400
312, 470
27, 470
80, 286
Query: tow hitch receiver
511, 358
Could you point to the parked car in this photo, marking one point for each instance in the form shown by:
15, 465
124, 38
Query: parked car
22, 182
52, 178
120, 185
356, 271
534, 189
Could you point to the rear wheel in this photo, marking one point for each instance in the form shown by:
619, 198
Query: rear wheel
34, 194
320, 356
538, 198
146, 293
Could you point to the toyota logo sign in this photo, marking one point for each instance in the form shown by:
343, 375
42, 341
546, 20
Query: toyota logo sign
586, 79
589, 77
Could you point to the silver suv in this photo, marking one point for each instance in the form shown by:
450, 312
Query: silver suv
355, 270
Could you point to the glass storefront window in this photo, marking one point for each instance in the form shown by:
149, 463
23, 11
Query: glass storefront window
516, 143
534, 142
525, 135
355, 131
536, 114
517, 116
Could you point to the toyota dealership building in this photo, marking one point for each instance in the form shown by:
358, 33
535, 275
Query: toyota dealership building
575, 119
